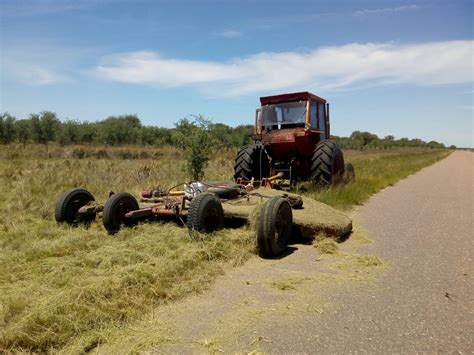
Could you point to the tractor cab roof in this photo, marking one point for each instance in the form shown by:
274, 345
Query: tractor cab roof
296, 96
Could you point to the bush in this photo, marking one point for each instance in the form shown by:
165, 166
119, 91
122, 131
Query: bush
195, 138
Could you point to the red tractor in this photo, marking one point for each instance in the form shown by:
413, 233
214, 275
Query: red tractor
292, 140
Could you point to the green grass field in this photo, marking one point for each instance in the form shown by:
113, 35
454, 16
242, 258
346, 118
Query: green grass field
70, 289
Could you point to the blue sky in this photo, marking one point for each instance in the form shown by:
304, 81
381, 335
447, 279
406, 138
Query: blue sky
389, 67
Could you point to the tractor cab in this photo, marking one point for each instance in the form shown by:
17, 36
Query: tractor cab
291, 124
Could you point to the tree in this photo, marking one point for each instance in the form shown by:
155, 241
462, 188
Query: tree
44, 127
7, 128
364, 137
69, 132
36, 131
197, 141
436, 145
23, 131
49, 126
120, 130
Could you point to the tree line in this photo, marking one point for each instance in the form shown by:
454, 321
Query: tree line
365, 140
46, 127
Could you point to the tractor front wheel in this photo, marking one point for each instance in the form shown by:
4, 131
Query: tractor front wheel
68, 206
205, 213
349, 173
115, 209
274, 227
327, 163
252, 162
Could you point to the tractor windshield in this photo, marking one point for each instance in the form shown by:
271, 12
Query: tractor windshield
287, 113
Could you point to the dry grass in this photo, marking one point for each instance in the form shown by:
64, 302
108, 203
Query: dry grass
369, 260
326, 245
374, 170
71, 288
74, 289
313, 217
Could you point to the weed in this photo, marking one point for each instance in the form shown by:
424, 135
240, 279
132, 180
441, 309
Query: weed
210, 345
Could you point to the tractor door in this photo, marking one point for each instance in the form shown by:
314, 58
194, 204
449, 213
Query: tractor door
317, 119
322, 121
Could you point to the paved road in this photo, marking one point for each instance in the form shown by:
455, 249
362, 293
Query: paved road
422, 301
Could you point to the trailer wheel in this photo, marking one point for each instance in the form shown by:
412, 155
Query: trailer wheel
349, 173
327, 163
251, 162
205, 213
115, 209
69, 204
274, 227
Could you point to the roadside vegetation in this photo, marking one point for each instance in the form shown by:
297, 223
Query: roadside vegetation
46, 127
72, 289
375, 170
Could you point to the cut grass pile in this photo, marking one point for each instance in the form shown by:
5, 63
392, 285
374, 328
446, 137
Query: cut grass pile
73, 289
326, 245
312, 218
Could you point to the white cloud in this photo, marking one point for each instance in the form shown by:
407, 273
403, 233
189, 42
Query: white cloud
386, 10
230, 34
325, 68
33, 74
41, 63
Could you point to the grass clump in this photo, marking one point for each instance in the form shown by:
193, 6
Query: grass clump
326, 245
211, 345
369, 260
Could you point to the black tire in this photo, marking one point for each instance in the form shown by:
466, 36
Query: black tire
327, 163
252, 162
205, 213
274, 227
69, 204
115, 209
349, 173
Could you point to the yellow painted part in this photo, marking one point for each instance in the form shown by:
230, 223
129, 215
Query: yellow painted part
276, 177
176, 193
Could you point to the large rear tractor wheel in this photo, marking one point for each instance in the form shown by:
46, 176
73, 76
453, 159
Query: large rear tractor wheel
274, 227
115, 209
327, 163
205, 213
252, 162
68, 206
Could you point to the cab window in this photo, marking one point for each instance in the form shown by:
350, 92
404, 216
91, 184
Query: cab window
322, 120
313, 118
